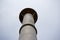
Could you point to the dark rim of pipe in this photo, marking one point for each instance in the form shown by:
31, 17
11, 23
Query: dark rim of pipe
28, 10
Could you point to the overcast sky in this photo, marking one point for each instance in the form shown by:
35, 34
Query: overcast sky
48, 23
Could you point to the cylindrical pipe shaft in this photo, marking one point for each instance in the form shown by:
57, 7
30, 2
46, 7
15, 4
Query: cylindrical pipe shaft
28, 19
28, 32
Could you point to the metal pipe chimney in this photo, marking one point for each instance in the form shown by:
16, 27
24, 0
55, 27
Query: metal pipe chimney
28, 18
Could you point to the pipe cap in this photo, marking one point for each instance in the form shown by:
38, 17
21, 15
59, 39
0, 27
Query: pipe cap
28, 10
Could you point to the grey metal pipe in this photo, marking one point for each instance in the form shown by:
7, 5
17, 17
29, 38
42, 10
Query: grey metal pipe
28, 32
28, 18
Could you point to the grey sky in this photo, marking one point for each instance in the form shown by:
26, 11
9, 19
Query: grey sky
48, 23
